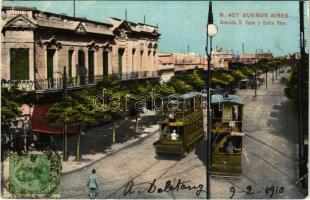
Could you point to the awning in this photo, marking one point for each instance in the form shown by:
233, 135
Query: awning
40, 123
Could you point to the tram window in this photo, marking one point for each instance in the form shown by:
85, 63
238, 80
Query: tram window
215, 141
217, 112
240, 113
178, 130
236, 144
193, 104
188, 105
227, 112
237, 141
235, 113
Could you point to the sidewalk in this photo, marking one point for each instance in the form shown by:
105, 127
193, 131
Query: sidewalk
147, 127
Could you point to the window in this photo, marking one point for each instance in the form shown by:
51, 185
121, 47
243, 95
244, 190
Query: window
81, 66
154, 55
235, 113
50, 63
105, 58
141, 55
217, 111
148, 57
120, 61
91, 72
70, 53
19, 64
133, 59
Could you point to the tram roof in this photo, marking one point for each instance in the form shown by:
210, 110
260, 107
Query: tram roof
229, 99
189, 95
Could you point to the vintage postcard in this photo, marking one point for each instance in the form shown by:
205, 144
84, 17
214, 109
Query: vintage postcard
154, 99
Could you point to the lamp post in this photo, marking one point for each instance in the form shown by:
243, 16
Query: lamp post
211, 31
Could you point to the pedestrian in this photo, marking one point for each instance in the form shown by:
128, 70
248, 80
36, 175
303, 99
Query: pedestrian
174, 135
92, 184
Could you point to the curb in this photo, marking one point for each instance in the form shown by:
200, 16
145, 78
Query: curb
141, 139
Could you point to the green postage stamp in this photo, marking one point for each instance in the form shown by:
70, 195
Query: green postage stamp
34, 175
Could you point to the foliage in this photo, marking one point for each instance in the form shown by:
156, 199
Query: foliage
180, 86
76, 109
291, 90
164, 89
223, 78
9, 111
238, 74
11, 101
194, 79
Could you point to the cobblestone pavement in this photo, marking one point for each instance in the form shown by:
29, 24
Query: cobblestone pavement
269, 159
269, 148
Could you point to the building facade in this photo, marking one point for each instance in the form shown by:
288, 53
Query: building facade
37, 46
169, 63
264, 55
221, 58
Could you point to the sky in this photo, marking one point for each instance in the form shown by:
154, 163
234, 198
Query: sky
181, 23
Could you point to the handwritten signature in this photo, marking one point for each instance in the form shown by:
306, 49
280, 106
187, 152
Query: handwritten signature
169, 186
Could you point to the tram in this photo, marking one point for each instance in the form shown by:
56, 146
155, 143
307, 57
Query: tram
226, 134
244, 84
182, 125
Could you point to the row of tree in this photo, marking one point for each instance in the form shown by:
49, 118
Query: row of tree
77, 108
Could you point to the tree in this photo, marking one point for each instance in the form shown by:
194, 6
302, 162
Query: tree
164, 89
291, 89
180, 86
10, 108
11, 101
194, 79
77, 110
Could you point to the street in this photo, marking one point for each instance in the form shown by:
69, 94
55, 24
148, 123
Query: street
139, 164
269, 162
269, 148
93, 85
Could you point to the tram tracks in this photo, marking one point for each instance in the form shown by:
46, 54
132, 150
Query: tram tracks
154, 168
162, 175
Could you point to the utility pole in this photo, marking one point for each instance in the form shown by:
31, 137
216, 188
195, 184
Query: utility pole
65, 128
301, 95
210, 33
126, 14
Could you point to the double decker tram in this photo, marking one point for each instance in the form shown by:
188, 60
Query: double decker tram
226, 134
182, 126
